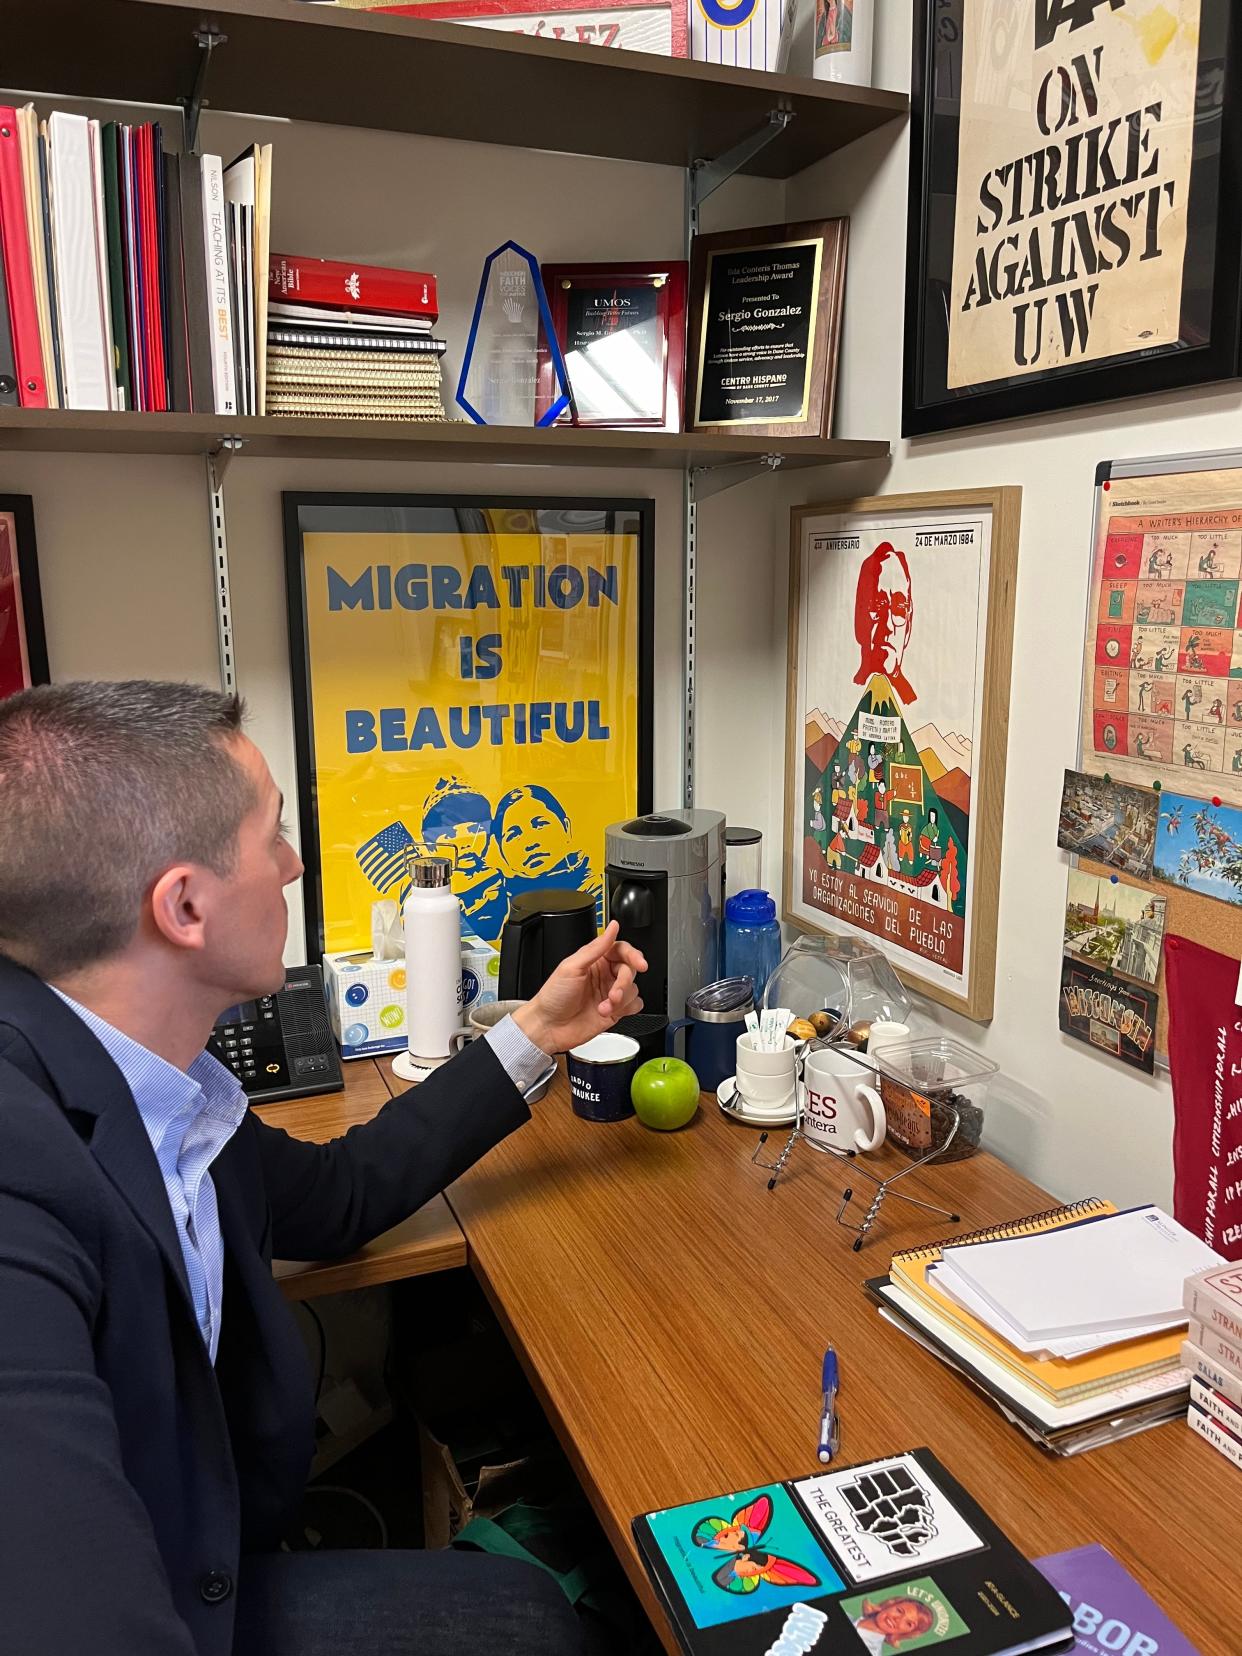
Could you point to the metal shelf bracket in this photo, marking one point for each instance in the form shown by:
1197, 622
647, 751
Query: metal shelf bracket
714, 480
706, 177
207, 38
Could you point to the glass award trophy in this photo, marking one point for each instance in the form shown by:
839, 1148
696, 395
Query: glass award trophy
500, 373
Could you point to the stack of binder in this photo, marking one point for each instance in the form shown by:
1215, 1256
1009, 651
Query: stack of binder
1055, 1320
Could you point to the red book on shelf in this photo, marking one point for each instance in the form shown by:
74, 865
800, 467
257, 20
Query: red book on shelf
18, 275
151, 275
350, 287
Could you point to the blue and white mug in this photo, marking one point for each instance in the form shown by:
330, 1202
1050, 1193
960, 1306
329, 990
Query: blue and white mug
600, 1072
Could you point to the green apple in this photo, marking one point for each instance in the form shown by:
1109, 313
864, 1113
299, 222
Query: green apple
665, 1093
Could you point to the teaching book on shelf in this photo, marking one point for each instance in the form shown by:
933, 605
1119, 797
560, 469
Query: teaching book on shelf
890, 1555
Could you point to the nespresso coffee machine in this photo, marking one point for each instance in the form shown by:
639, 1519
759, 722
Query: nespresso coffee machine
664, 885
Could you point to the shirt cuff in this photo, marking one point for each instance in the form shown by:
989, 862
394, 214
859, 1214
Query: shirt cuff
522, 1061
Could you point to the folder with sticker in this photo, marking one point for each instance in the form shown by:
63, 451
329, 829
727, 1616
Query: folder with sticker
890, 1555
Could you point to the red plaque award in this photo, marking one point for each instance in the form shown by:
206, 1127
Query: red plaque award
622, 333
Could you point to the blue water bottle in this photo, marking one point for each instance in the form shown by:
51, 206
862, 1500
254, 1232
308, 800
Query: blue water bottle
752, 938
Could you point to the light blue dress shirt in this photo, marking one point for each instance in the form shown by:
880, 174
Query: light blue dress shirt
189, 1117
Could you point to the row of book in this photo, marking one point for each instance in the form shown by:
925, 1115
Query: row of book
135, 279
1213, 1355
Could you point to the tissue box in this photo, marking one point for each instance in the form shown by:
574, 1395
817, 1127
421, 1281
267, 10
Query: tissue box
366, 996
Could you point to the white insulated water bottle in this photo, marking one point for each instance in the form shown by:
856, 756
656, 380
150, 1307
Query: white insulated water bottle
432, 917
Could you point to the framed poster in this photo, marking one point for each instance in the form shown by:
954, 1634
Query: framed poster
659, 26
1075, 227
23, 649
471, 678
900, 637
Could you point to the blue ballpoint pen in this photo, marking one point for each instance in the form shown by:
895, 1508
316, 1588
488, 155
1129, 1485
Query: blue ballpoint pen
829, 1425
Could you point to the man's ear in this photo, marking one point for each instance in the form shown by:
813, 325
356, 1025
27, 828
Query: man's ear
177, 906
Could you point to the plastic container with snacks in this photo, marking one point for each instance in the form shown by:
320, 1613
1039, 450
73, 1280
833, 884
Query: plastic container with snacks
927, 1084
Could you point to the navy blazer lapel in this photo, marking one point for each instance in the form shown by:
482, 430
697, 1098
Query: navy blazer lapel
87, 1082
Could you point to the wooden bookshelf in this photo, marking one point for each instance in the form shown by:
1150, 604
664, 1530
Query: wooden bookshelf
318, 63
58, 431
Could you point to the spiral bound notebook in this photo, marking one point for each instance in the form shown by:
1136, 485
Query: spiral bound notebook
1060, 1401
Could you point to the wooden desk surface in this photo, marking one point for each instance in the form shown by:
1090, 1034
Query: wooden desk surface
672, 1315
429, 1240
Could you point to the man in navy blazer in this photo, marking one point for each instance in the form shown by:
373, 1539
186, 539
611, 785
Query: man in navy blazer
156, 1407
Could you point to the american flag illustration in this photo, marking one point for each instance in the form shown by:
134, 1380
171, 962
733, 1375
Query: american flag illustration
383, 857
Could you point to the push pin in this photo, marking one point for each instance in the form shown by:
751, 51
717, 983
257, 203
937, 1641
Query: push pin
1107, 780
1157, 786
1114, 879
1216, 802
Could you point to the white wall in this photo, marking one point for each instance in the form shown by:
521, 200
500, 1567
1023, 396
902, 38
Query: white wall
1074, 1121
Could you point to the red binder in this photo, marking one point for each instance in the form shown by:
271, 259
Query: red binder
15, 248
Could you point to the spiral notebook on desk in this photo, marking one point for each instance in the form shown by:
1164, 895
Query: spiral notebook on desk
1065, 1403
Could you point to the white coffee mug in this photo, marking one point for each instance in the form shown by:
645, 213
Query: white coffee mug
840, 1109
765, 1078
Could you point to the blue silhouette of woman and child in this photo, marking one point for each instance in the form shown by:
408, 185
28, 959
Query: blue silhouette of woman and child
524, 843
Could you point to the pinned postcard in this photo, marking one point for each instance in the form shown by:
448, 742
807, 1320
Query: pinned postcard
1199, 847
1113, 1016
1114, 926
1108, 822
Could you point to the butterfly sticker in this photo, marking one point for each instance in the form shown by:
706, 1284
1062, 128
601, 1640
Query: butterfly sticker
748, 1565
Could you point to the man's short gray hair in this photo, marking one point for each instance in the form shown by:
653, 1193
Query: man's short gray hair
102, 788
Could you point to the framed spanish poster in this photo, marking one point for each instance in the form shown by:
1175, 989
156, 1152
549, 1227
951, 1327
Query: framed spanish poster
900, 638
660, 26
471, 678
765, 329
1075, 221
23, 648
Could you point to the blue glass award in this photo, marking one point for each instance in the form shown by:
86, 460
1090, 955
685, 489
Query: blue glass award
505, 355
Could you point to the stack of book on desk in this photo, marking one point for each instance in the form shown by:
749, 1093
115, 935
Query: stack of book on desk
352, 341
1213, 1354
1071, 1321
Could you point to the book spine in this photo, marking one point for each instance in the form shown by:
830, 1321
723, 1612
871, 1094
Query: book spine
1203, 1368
48, 270
216, 249
1223, 1352
1217, 1405
101, 264
174, 264
18, 270
113, 211
197, 301
1216, 1435
351, 287
9, 395
396, 346
1215, 1298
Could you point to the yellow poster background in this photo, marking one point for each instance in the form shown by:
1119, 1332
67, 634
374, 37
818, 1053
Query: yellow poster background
1148, 56
403, 669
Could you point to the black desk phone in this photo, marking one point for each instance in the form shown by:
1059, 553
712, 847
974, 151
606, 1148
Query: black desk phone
281, 1046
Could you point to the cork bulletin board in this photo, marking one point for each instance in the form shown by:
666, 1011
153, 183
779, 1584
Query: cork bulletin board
1162, 666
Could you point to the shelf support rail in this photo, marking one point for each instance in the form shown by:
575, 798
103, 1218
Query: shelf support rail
704, 178
207, 39
217, 465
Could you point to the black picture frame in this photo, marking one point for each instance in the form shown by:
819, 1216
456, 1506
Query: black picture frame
21, 509
340, 508
1214, 243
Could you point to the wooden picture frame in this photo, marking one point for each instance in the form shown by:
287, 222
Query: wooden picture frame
657, 290
894, 800
1008, 315
737, 323
23, 645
